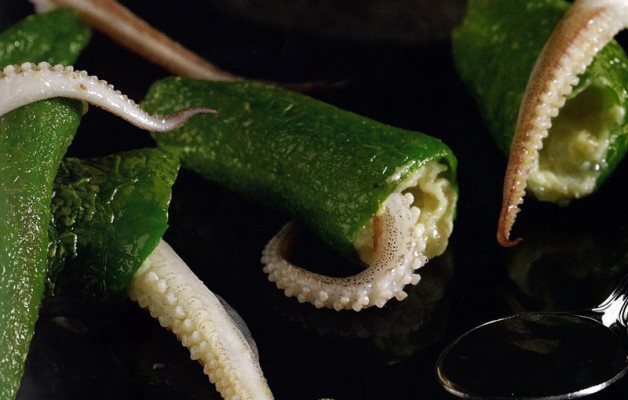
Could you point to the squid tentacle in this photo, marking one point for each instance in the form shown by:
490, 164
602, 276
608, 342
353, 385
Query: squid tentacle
182, 303
399, 244
583, 32
119, 23
26, 83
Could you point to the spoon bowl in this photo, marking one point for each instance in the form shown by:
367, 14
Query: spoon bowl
539, 355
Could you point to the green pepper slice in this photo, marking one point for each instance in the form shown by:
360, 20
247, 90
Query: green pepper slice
33, 140
495, 50
108, 215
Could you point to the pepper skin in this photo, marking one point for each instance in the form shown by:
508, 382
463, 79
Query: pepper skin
108, 215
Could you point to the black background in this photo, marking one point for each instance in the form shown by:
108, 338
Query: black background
572, 257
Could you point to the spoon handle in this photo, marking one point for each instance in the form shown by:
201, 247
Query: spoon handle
614, 309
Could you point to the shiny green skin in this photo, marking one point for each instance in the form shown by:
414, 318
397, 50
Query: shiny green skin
108, 215
32, 142
33, 139
326, 166
495, 49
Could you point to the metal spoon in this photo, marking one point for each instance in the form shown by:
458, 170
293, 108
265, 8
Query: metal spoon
537, 355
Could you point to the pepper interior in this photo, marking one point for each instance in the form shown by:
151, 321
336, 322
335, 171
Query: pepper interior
574, 154
435, 198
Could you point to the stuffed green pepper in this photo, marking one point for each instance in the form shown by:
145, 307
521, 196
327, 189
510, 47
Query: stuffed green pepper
551, 91
384, 194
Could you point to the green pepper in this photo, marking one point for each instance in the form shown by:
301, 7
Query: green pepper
332, 169
495, 50
108, 215
33, 140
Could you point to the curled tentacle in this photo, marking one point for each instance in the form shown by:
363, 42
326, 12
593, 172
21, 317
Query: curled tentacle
403, 234
27, 83
585, 29
182, 303
397, 255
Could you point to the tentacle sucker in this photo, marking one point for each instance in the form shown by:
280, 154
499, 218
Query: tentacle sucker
27, 83
584, 30
182, 303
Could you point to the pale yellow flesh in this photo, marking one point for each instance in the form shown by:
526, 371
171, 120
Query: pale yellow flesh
574, 152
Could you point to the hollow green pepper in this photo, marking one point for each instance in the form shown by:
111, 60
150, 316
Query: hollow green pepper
495, 49
330, 167
33, 140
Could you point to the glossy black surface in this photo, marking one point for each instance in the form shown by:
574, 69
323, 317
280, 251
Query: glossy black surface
571, 257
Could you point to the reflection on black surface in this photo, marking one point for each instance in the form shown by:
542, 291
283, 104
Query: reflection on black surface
564, 267
122, 356
393, 333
